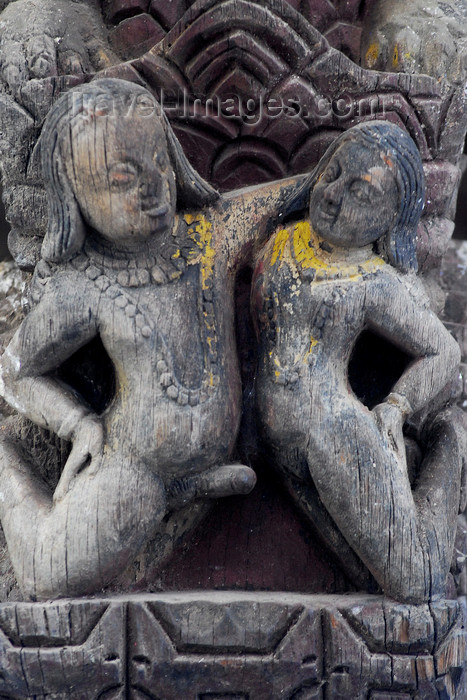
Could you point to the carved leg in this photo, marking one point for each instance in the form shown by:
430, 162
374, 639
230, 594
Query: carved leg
81, 542
438, 488
404, 535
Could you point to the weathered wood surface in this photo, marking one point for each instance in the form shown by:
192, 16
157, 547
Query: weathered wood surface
319, 285
32, 83
195, 646
153, 287
130, 262
234, 649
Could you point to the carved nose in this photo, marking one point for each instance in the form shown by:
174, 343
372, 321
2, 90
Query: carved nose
333, 194
150, 193
149, 188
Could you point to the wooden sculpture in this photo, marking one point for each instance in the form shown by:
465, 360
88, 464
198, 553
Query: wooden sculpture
124, 381
320, 283
130, 258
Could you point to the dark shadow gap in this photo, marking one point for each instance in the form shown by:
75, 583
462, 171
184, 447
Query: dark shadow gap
90, 373
374, 367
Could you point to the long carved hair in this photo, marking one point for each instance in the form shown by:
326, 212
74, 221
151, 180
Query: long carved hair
398, 245
75, 110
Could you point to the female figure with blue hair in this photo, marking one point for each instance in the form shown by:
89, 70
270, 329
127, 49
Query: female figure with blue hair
319, 284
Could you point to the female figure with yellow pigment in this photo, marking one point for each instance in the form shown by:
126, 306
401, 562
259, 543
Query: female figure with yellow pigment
137, 253
319, 284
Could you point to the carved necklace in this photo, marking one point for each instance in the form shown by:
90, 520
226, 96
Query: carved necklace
143, 267
115, 275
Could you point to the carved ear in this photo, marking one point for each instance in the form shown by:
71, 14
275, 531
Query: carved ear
66, 229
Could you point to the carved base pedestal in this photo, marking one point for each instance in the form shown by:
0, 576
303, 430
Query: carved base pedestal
232, 646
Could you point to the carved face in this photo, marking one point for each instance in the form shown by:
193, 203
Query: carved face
355, 200
122, 178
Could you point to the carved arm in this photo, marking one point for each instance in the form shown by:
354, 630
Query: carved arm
51, 333
249, 215
418, 331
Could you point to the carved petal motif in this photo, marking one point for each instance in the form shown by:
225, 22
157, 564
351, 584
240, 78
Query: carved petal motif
338, 19
293, 92
116, 10
137, 34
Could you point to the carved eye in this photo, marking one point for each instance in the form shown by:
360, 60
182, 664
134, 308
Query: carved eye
362, 191
122, 175
332, 172
162, 160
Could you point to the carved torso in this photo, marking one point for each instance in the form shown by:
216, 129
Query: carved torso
177, 399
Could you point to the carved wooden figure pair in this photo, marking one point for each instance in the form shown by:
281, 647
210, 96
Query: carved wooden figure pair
142, 253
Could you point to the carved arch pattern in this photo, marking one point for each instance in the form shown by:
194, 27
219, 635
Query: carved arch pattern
150, 20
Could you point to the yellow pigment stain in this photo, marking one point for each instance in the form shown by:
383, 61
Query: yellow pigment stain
299, 247
395, 56
372, 54
309, 256
305, 251
300, 358
189, 218
213, 380
276, 362
313, 343
176, 255
104, 59
203, 254
280, 241
200, 232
